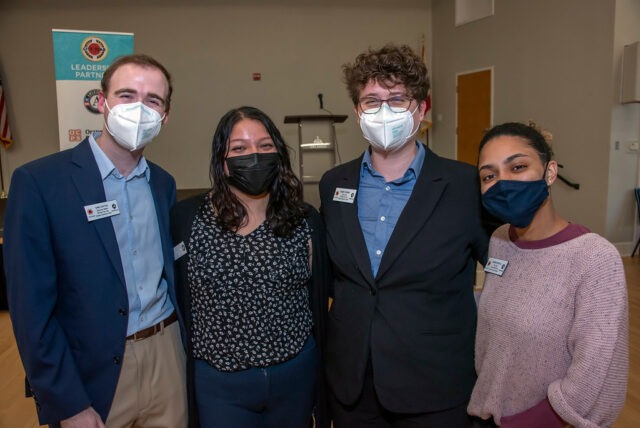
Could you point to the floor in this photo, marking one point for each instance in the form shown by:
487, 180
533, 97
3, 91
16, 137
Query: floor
19, 412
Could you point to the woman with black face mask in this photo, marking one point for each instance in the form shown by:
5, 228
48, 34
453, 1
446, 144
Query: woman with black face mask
552, 334
251, 273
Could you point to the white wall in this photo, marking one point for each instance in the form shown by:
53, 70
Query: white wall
625, 128
553, 64
212, 49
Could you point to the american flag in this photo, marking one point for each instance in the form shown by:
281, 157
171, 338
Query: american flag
5, 131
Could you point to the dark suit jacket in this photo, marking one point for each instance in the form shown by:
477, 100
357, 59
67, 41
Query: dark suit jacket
66, 286
416, 319
182, 217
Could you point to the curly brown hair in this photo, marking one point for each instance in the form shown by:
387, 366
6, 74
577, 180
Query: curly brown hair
389, 66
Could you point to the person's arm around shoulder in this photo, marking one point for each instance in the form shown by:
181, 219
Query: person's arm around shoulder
182, 216
479, 235
32, 288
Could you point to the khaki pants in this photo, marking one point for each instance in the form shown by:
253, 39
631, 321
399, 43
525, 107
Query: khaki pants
151, 390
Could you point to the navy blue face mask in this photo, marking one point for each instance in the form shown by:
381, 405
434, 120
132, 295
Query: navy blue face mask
515, 202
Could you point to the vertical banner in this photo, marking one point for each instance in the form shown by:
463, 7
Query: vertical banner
81, 57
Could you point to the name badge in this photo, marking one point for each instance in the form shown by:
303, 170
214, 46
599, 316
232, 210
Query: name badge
496, 266
101, 210
179, 250
344, 195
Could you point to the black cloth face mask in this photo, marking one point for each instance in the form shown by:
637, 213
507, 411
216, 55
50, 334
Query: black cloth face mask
253, 174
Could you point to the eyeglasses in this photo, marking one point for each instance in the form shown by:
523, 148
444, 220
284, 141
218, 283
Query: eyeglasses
397, 104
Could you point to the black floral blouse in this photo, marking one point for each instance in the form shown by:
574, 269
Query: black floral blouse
250, 305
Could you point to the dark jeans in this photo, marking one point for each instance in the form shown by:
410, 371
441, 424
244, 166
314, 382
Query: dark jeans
279, 396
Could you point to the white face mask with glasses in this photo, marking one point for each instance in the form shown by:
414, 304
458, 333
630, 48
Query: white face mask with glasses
387, 128
133, 125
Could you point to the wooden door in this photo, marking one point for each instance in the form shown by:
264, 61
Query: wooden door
474, 113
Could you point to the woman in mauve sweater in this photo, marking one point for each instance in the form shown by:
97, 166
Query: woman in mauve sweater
552, 337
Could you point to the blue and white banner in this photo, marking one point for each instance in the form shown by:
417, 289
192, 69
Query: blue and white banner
81, 57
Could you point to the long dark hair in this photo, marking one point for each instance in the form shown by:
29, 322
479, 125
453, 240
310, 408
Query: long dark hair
285, 210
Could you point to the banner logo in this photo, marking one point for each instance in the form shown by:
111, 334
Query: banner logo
91, 101
75, 135
94, 49
81, 58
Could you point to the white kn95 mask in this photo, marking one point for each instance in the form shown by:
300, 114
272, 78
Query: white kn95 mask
133, 125
387, 129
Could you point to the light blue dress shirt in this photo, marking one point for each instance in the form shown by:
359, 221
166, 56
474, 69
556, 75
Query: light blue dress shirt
138, 236
380, 203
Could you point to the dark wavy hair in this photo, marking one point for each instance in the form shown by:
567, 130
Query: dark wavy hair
389, 66
530, 132
286, 208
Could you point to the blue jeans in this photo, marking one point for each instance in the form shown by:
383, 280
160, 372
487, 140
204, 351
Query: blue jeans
279, 396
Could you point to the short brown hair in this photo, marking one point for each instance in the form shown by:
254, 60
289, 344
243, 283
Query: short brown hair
143, 61
388, 66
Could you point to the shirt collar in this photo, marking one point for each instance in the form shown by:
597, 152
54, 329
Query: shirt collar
107, 167
412, 172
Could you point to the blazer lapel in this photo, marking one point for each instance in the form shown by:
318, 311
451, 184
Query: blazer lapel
162, 206
352, 229
87, 180
424, 198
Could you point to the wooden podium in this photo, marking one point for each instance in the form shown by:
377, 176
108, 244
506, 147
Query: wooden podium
317, 150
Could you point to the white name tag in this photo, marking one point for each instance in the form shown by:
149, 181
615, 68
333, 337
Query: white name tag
101, 210
344, 195
179, 250
496, 266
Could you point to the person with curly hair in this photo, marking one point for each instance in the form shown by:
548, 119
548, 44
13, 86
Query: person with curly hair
251, 278
552, 340
404, 232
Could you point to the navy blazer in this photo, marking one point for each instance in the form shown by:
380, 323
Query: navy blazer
65, 280
415, 320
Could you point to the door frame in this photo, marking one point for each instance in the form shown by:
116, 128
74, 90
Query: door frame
491, 108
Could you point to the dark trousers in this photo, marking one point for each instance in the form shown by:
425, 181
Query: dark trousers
369, 412
279, 396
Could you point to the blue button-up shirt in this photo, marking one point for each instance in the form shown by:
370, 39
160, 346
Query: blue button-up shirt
138, 236
380, 203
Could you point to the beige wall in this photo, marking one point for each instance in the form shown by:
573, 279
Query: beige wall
625, 128
556, 62
212, 48
553, 63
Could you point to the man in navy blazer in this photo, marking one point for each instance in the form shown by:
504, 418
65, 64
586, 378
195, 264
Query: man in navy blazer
89, 267
404, 233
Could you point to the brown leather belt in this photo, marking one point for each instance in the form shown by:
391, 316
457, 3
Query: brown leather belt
150, 331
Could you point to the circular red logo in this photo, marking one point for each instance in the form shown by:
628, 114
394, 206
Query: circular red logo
94, 49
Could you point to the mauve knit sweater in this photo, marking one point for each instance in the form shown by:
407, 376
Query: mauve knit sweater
555, 326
